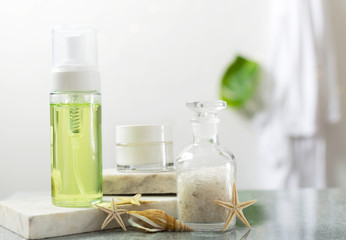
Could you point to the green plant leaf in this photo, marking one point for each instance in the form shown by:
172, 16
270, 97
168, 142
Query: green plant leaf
239, 82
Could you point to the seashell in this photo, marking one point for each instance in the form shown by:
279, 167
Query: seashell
155, 220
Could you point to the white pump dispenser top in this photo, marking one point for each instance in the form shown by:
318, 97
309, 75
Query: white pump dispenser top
74, 65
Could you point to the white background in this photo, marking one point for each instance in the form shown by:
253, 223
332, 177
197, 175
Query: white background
153, 57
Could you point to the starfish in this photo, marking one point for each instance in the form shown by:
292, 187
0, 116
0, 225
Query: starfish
113, 213
235, 208
135, 200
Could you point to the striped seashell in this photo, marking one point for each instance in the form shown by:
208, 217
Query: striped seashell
155, 220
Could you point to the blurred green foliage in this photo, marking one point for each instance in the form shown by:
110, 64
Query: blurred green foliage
239, 82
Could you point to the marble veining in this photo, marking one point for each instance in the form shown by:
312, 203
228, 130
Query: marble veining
36, 218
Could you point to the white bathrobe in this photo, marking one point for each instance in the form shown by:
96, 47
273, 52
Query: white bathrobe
303, 98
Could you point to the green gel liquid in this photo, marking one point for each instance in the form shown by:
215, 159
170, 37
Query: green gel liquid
76, 154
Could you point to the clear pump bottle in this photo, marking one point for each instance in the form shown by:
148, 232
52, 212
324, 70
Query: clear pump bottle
206, 171
75, 118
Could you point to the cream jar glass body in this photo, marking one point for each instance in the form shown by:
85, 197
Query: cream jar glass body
206, 171
144, 148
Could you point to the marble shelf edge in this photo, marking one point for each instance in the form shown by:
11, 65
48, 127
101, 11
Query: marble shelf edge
37, 218
115, 182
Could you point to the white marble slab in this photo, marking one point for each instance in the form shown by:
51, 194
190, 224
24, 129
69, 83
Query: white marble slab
37, 218
115, 182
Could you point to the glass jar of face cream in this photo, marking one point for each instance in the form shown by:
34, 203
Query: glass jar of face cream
144, 147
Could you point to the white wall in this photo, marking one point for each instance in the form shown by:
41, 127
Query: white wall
153, 56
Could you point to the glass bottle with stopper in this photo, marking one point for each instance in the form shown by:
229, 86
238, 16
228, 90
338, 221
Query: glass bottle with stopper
206, 171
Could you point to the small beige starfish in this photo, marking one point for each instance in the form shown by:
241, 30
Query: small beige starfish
113, 213
135, 200
235, 208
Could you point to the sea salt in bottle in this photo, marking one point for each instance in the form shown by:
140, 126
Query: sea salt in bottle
205, 171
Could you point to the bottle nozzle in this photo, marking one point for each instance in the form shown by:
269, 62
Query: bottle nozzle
74, 65
74, 46
75, 49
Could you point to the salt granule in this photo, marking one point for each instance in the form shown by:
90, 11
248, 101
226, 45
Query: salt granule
197, 190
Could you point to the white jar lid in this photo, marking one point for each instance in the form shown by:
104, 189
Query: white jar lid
143, 133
